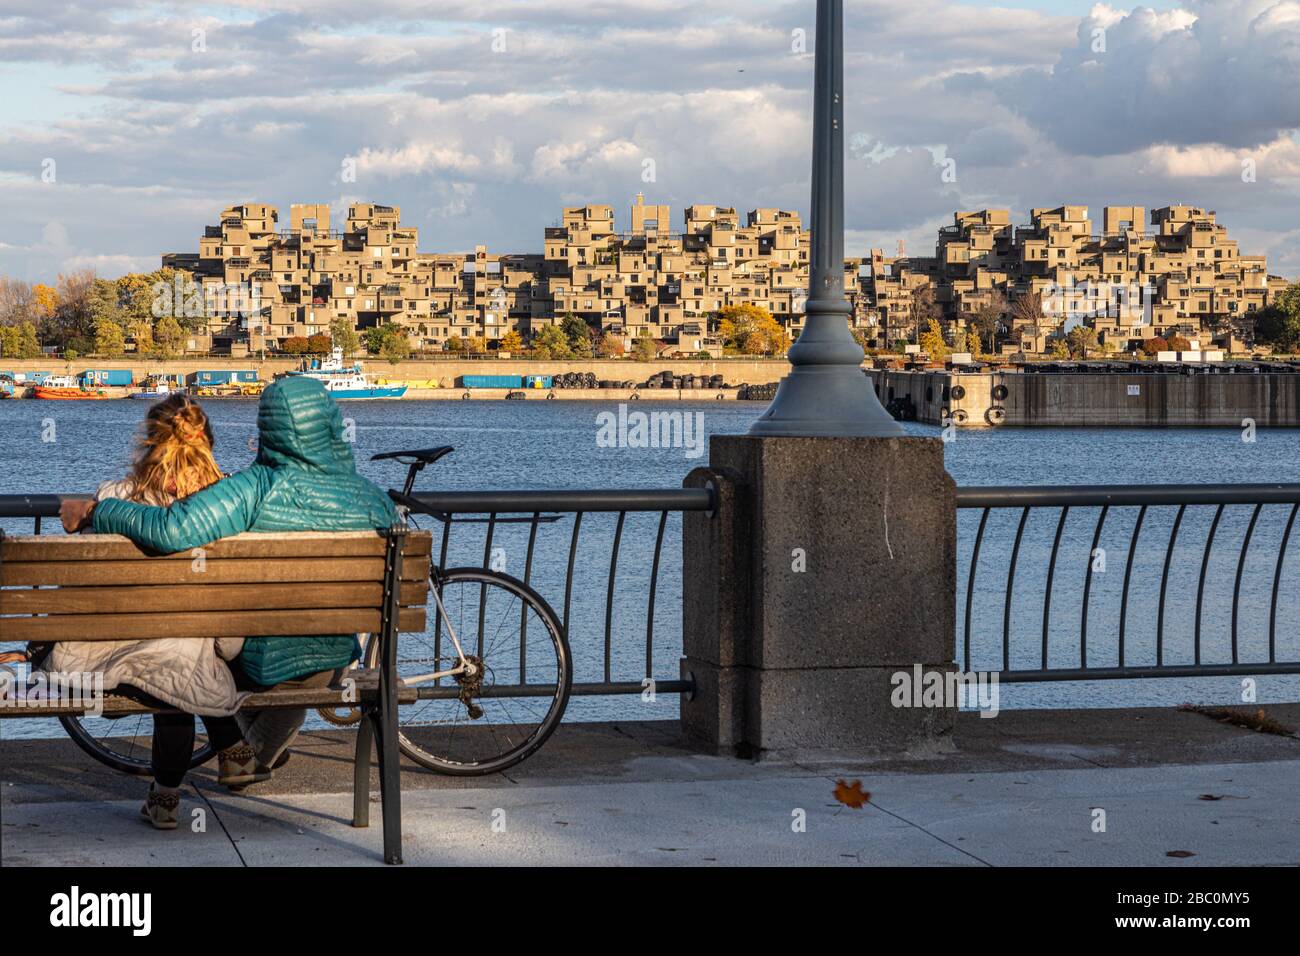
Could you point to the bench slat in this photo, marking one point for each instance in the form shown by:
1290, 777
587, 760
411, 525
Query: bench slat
294, 544
287, 697
203, 597
134, 627
214, 571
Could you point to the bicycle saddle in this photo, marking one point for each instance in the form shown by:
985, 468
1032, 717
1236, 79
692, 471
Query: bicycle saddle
426, 455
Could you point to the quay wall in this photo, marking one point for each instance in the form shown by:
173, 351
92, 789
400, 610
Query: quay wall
1100, 399
446, 372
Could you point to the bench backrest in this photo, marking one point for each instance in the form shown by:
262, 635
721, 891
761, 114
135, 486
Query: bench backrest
105, 588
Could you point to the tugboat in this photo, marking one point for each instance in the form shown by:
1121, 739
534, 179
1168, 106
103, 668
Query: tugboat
347, 381
66, 388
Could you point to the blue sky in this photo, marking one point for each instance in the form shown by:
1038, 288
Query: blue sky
483, 122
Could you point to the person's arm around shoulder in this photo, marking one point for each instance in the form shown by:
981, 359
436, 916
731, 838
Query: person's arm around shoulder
218, 511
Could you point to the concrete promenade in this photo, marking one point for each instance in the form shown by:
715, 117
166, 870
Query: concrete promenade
1018, 789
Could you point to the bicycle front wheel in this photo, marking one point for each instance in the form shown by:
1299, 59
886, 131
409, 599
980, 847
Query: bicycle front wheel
125, 743
481, 723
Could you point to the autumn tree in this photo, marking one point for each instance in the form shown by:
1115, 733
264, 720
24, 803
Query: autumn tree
610, 346
295, 345
511, 342
1179, 344
750, 330
987, 319
973, 343
319, 344
1154, 345
924, 310
933, 343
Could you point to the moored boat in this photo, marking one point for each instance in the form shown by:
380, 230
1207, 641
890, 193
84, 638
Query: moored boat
153, 389
347, 382
66, 388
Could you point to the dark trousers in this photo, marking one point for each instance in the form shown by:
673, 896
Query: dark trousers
173, 743
173, 738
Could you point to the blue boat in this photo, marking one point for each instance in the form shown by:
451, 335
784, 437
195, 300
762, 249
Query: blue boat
347, 382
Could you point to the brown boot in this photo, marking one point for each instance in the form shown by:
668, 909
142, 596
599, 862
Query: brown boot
162, 808
237, 767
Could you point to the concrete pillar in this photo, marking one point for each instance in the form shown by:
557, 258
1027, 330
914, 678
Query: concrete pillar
828, 567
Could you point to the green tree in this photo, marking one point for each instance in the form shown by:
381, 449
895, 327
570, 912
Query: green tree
1080, 341
643, 349
396, 347
1060, 349
29, 345
1276, 327
110, 340
169, 336
578, 334
550, 343
344, 336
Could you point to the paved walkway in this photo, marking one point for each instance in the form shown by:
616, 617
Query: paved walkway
1024, 788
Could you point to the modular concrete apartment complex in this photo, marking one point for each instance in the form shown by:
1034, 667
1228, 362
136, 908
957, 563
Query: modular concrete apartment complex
1185, 276
672, 284
371, 273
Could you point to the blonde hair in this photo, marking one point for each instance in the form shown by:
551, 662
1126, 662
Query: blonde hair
174, 458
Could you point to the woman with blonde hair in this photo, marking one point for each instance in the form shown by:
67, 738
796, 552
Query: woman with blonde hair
173, 461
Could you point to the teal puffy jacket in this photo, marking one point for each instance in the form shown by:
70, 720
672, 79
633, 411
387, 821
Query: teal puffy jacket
304, 479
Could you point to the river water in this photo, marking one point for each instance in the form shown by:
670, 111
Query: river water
71, 446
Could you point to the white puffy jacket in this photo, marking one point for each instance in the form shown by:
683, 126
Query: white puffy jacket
187, 673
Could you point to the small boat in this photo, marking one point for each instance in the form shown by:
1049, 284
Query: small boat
153, 389
66, 388
347, 381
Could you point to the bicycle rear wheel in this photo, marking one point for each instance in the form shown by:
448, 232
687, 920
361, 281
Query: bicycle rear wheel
124, 743
471, 727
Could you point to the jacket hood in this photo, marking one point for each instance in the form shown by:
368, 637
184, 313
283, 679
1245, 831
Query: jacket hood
300, 425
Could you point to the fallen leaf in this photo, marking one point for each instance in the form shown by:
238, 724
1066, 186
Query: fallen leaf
851, 794
1180, 854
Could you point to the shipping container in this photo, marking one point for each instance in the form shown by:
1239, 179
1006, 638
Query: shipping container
106, 376
491, 381
222, 377
31, 378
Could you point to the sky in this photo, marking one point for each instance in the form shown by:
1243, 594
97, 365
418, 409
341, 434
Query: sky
126, 127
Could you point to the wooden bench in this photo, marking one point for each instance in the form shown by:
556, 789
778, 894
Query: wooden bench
105, 588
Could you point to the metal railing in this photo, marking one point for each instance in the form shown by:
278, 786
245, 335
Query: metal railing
608, 646
1163, 512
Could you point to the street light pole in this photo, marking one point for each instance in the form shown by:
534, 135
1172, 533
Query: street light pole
826, 392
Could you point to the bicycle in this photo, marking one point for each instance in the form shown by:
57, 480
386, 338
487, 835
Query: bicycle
476, 713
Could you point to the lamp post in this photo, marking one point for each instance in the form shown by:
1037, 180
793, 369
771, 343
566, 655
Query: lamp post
826, 393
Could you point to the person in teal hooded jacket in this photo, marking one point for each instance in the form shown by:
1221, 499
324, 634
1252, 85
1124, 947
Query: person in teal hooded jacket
304, 479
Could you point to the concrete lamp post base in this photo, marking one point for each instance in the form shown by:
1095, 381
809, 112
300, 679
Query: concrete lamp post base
827, 569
